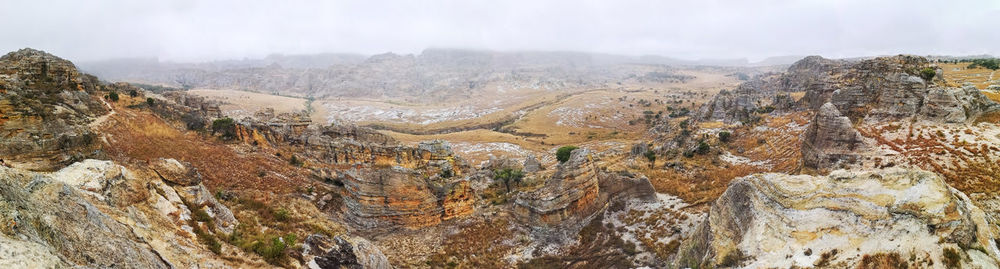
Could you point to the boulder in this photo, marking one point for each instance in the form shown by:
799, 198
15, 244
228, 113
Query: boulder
830, 140
779, 220
343, 252
531, 164
176, 172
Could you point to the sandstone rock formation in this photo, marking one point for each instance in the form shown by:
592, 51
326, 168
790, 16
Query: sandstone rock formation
45, 105
576, 191
398, 196
830, 139
840, 220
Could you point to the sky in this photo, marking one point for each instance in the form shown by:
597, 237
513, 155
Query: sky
192, 31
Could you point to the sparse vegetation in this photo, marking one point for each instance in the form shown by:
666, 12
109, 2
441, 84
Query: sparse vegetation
928, 73
508, 177
112, 96
224, 126
724, 136
651, 156
563, 153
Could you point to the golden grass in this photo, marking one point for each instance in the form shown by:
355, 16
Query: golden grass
958, 74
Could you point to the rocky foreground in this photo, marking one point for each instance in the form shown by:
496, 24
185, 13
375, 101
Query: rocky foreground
846, 219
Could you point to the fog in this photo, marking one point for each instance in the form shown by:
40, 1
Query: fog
215, 30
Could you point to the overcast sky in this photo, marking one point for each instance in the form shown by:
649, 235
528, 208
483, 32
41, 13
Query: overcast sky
232, 29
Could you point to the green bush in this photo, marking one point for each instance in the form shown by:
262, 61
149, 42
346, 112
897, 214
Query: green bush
563, 153
651, 156
508, 176
113, 96
150, 101
928, 73
133, 93
703, 147
225, 126
724, 136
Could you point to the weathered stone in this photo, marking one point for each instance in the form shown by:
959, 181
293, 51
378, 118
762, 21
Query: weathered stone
770, 220
343, 252
830, 140
531, 164
45, 106
399, 197
176, 172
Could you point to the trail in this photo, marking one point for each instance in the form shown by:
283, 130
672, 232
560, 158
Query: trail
104, 118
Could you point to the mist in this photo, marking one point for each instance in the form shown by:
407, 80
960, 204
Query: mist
217, 30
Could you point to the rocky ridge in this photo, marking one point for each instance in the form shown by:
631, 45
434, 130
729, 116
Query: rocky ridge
45, 105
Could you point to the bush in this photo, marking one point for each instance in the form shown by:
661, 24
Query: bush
651, 156
295, 161
508, 176
150, 101
724, 136
928, 73
193, 121
703, 147
133, 93
563, 153
225, 126
113, 96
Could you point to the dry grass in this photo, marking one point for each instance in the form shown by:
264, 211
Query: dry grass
958, 74
883, 261
250, 101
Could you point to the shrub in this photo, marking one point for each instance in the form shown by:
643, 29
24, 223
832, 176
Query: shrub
928, 73
563, 153
724, 136
193, 121
508, 176
113, 96
149, 101
703, 147
133, 93
225, 126
651, 156
295, 161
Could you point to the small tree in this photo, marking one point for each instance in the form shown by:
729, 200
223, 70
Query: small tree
225, 126
724, 136
563, 153
508, 176
928, 73
703, 147
651, 156
149, 101
113, 96
133, 93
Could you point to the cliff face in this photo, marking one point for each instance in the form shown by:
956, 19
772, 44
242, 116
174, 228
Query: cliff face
576, 191
45, 105
399, 197
777, 220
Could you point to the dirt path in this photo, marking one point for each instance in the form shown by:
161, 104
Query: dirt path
104, 118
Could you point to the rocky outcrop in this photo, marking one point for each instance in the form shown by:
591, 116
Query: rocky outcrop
955, 105
777, 220
576, 191
99, 214
879, 89
52, 218
571, 193
397, 196
343, 252
45, 106
830, 140
531, 164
